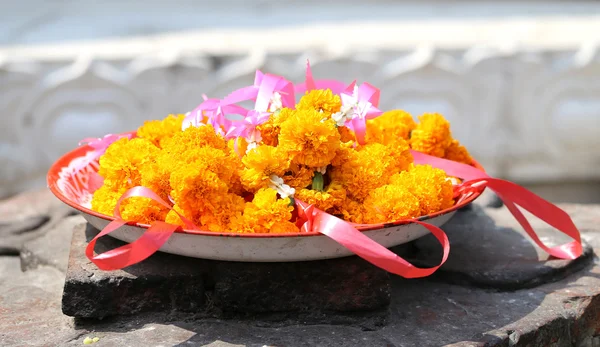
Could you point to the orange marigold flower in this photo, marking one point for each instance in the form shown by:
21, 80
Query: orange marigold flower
330, 199
265, 214
370, 167
236, 162
432, 135
269, 131
195, 188
182, 142
320, 100
351, 210
238, 147
226, 208
135, 209
298, 176
142, 210
124, 158
309, 139
346, 134
156, 178
201, 194
429, 185
343, 154
105, 198
459, 153
391, 203
157, 131
390, 126
173, 218
260, 164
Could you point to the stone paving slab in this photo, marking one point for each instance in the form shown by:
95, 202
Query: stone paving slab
52, 247
487, 252
425, 312
28, 216
422, 313
30, 306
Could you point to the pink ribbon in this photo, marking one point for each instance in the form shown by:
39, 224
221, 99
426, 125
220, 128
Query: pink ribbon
99, 147
216, 113
265, 85
264, 88
101, 144
149, 243
358, 103
514, 195
358, 243
309, 84
362, 102
246, 128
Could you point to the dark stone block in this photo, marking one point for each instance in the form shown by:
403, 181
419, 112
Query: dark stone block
162, 282
346, 284
165, 282
486, 253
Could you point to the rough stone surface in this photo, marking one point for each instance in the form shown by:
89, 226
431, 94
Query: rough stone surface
484, 253
423, 312
162, 282
28, 216
30, 306
169, 282
52, 248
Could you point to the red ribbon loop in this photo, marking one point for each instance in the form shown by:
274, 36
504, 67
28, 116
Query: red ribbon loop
146, 245
348, 236
514, 195
132, 253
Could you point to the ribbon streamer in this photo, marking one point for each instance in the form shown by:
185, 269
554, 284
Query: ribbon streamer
146, 245
309, 84
514, 195
347, 234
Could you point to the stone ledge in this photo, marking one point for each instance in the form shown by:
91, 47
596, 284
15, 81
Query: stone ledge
166, 282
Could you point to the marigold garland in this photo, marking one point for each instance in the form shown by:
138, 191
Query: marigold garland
245, 185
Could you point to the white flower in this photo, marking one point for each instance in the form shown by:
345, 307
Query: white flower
345, 114
251, 146
275, 102
283, 189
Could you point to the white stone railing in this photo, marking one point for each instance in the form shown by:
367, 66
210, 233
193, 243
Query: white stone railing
522, 93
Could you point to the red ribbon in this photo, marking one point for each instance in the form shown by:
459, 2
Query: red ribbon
350, 237
514, 195
149, 243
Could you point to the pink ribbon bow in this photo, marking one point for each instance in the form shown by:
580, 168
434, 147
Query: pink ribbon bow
215, 112
262, 91
246, 128
360, 104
